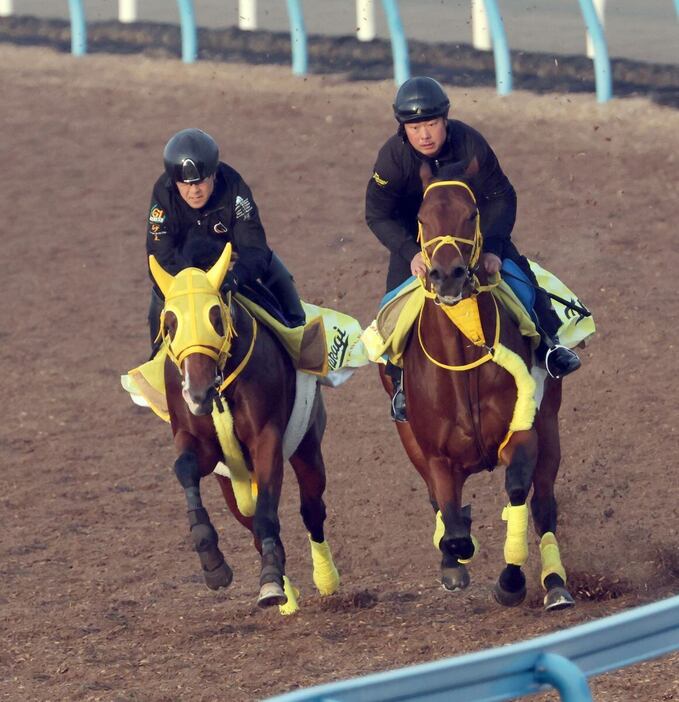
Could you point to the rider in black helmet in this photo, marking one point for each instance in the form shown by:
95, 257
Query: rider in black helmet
394, 195
199, 197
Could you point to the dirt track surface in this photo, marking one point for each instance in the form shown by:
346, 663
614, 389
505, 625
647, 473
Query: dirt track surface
101, 597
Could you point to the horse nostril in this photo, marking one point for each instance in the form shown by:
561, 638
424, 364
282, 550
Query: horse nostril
435, 274
459, 271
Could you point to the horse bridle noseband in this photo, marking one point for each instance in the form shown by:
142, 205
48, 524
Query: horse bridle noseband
450, 240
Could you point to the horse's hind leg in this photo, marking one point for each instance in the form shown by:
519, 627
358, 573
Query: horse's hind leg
543, 503
520, 456
215, 569
307, 462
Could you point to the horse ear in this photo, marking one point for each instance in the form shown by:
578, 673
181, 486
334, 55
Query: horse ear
217, 273
163, 279
473, 168
426, 176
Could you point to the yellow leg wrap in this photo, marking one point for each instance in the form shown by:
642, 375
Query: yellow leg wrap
291, 606
516, 543
440, 530
326, 578
551, 559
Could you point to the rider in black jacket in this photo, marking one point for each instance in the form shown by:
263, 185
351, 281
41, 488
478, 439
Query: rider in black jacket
200, 197
394, 195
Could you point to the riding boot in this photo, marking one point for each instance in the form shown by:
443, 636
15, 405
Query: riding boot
557, 359
155, 309
279, 281
398, 398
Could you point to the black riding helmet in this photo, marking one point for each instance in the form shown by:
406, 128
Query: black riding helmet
420, 98
190, 156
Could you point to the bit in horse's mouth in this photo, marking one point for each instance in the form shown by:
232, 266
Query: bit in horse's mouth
449, 299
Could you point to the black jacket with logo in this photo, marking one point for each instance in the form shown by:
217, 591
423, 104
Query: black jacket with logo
229, 215
394, 193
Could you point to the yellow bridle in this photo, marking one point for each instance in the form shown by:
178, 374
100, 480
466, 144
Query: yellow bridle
448, 239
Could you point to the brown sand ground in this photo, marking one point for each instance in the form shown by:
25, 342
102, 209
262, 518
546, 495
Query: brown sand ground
101, 595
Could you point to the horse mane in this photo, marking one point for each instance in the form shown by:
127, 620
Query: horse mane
200, 252
452, 171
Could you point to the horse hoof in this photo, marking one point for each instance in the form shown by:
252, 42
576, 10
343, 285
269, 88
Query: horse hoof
221, 576
558, 598
271, 594
507, 598
454, 579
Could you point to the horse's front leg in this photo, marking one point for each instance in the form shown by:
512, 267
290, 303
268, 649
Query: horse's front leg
543, 502
267, 461
519, 455
455, 543
216, 571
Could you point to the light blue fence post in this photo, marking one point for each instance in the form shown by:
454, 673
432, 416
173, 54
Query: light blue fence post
78, 28
399, 44
602, 66
187, 18
563, 675
298, 38
503, 61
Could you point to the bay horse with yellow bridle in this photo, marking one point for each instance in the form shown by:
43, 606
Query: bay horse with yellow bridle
472, 402
218, 354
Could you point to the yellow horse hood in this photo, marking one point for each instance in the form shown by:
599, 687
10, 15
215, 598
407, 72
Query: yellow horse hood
190, 295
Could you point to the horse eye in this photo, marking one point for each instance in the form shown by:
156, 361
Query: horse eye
473, 215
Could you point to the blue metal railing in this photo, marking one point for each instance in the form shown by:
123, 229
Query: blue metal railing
602, 66
503, 61
399, 42
298, 38
563, 661
187, 19
78, 27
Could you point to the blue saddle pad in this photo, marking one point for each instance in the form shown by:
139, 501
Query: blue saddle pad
395, 291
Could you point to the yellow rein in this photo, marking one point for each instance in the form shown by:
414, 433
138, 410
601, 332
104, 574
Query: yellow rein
239, 368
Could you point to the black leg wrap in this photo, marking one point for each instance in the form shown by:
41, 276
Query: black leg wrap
198, 516
272, 570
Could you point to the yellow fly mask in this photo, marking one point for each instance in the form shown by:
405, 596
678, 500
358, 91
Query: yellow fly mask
190, 296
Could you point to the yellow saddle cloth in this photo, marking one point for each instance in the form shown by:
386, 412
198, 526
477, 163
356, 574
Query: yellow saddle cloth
387, 335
